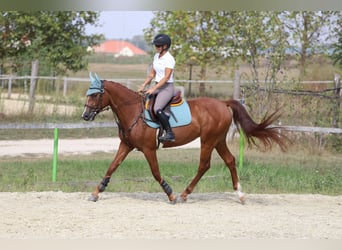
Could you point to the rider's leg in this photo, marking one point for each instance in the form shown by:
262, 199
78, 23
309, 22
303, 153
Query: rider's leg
164, 121
164, 95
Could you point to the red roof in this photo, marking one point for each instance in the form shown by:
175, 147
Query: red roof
119, 47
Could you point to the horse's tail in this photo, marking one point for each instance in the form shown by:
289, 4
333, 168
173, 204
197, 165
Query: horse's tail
262, 131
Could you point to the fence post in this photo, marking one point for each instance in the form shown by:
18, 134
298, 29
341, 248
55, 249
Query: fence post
336, 106
190, 78
9, 92
65, 86
25, 86
34, 74
236, 94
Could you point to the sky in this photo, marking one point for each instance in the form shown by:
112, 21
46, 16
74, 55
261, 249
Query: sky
121, 24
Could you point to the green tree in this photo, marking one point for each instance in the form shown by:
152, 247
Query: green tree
57, 39
337, 52
307, 29
196, 37
218, 38
140, 42
258, 37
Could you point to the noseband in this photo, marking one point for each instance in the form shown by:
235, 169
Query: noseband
97, 107
94, 110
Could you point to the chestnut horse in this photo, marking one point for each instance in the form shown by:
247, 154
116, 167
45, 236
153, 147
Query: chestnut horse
211, 119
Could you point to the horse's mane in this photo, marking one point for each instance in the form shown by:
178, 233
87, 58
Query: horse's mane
120, 85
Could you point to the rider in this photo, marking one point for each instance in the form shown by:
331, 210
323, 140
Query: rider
162, 70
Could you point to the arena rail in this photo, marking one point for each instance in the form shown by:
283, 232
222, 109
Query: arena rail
322, 130
57, 126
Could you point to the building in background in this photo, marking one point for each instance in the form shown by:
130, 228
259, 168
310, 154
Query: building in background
119, 48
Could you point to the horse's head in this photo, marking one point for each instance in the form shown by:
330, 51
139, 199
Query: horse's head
96, 101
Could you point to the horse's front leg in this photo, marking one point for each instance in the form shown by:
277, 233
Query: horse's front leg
152, 160
121, 154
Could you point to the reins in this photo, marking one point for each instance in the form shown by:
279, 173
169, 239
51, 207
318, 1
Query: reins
126, 132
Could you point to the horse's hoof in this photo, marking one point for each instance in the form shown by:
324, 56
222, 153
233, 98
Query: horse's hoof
93, 198
182, 199
173, 202
173, 199
242, 199
240, 194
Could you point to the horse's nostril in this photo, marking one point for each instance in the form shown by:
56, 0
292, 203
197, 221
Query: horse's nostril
85, 117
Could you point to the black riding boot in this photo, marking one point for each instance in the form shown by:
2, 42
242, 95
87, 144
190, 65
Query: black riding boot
164, 121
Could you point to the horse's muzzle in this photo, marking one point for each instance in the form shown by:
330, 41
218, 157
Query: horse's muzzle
89, 116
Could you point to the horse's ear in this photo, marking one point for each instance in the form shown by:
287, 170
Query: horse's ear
91, 77
97, 78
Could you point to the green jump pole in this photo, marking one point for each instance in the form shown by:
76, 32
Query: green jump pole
55, 156
242, 146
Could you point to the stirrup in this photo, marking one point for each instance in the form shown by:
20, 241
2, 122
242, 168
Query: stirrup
169, 136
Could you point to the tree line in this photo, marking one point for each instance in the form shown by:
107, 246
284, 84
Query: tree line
218, 38
56, 39
203, 38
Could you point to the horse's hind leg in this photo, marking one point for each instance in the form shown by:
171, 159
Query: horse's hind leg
121, 154
229, 160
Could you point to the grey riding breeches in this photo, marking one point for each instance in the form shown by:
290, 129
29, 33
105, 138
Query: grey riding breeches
164, 96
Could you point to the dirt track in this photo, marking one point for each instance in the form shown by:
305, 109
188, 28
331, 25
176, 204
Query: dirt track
13, 148
57, 215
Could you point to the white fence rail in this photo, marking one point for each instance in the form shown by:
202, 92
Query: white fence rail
313, 129
7, 80
58, 125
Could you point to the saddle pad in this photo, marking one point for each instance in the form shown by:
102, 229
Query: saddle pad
181, 112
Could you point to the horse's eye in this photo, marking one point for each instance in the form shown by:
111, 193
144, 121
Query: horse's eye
93, 97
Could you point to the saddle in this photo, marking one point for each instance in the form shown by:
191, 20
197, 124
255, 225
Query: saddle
174, 102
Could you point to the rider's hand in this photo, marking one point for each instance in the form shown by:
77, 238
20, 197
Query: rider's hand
150, 90
141, 88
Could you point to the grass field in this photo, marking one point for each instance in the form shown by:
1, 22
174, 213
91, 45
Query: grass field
312, 166
262, 172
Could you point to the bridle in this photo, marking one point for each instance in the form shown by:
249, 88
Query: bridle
94, 110
97, 109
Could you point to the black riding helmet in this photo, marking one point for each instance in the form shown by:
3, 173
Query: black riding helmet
162, 39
